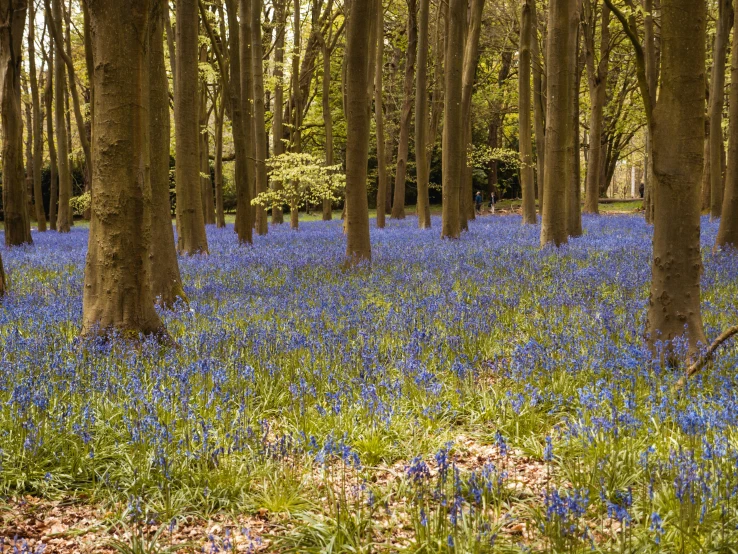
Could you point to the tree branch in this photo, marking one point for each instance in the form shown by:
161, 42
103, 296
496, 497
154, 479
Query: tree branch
701, 362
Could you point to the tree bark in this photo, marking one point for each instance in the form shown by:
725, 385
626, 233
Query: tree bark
398, 202
524, 100
117, 289
717, 99
206, 184
296, 103
678, 122
574, 206
539, 106
220, 115
15, 204
166, 282
328, 120
54, 167
728, 230
38, 137
277, 125
556, 182
421, 118
454, 153
63, 216
260, 135
597, 76
358, 245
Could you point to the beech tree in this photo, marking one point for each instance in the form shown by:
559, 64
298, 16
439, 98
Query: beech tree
527, 183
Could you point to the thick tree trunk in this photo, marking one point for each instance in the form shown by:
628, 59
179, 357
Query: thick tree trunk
191, 237
524, 100
728, 230
260, 135
556, 182
454, 154
574, 206
38, 137
674, 303
421, 117
117, 290
166, 282
15, 204
539, 106
220, 115
597, 76
277, 125
358, 245
717, 99
398, 202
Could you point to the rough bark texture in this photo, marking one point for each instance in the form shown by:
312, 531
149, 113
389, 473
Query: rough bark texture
454, 154
358, 245
15, 204
166, 282
421, 117
64, 211
260, 135
191, 237
117, 289
728, 230
527, 183
277, 125
38, 137
597, 72
674, 303
717, 99
553, 229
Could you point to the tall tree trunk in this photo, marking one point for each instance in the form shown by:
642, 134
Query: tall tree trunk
358, 245
260, 135
539, 106
574, 206
728, 230
244, 167
597, 76
526, 144
296, 104
556, 182
15, 205
206, 184
706, 184
398, 202
191, 237
652, 77
54, 166
28, 123
717, 99
166, 282
421, 118
38, 137
64, 215
220, 115
678, 122
117, 289
277, 125
471, 50
454, 153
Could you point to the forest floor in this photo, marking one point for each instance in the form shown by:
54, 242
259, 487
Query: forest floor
479, 395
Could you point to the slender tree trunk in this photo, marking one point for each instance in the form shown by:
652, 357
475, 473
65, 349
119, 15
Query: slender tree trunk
166, 282
421, 118
398, 203
30, 208
556, 183
717, 99
38, 137
277, 125
706, 184
206, 184
471, 49
64, 215
382, 196
454, 154
54, 169
328, 119
296, 104
117, 289
526, 145
652, 72
220, 115
597, 76
678, 122
358, 115
15, 205
728, 230
574, 206
260, 135
539, 106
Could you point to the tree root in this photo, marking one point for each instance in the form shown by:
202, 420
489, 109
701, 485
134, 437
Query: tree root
706, 356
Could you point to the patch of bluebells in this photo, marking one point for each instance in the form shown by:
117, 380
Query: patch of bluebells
281, 352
